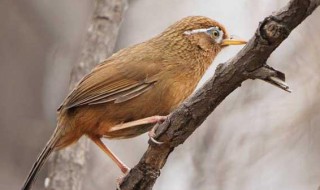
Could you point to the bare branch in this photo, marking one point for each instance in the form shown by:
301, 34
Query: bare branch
229, 76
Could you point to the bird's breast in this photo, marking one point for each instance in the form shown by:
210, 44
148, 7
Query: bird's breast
176, 89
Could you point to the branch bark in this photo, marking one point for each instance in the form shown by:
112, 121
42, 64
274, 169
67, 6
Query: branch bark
249, 63
67, 167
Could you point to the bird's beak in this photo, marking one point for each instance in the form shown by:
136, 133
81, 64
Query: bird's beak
233, 41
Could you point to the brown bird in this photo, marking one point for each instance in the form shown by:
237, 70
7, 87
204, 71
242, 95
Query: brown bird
137, 87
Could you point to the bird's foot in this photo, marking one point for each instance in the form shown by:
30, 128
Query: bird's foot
152, 132
125, 169
120, 179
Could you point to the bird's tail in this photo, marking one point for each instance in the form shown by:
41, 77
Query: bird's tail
42, 158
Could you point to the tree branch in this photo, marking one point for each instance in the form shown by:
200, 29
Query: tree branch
249, 63
67, 167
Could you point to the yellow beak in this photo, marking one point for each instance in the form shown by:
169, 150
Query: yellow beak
233, 41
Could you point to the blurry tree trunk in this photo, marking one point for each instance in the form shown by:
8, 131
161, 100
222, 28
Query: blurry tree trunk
67, 167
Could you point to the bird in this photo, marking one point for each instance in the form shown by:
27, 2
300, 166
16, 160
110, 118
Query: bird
137, 87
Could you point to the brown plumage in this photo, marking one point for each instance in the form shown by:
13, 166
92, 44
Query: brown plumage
148, 79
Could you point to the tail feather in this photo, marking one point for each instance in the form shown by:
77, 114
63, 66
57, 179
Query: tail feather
42, 158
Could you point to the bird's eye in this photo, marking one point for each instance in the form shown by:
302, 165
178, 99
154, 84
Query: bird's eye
215, 33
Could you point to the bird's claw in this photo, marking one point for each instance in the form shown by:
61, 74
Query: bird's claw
121, 178
152, 133
155, 141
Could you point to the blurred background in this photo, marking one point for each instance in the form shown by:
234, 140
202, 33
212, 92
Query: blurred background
260, 137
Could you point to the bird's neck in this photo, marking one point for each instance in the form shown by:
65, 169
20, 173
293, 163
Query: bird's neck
193, 57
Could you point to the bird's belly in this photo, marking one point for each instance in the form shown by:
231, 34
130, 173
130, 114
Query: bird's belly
160, 100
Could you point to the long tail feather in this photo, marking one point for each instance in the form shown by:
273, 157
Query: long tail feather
42, 158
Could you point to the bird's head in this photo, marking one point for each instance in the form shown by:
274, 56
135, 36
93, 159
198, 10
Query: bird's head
201, 33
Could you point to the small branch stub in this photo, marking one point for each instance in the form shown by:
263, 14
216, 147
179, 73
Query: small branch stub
270, 75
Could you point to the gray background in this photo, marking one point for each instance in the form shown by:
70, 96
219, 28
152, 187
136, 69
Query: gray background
259, 138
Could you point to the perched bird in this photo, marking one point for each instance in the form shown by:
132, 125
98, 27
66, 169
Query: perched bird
138, 86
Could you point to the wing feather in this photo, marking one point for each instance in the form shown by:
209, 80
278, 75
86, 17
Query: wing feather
113, 82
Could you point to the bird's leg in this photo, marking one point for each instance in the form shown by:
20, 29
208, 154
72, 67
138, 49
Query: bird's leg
125, 169
147, 120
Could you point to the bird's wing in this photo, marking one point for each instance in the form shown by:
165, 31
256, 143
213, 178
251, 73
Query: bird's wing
114, 81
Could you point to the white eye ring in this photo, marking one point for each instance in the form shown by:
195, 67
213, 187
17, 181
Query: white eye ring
210, 31
217, 34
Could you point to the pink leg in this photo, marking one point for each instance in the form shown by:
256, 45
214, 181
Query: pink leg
148, 120
105, 149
